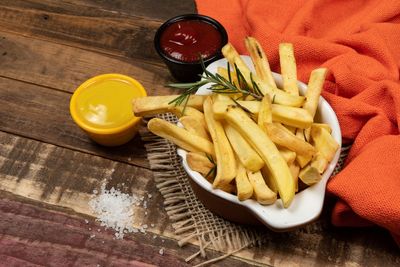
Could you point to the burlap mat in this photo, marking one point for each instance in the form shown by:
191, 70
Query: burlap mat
190, 219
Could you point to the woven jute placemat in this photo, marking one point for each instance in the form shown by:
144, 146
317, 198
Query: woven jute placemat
190, 219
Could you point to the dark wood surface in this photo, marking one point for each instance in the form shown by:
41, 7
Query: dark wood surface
49, 168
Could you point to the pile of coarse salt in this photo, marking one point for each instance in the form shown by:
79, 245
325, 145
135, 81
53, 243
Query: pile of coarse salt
114, 209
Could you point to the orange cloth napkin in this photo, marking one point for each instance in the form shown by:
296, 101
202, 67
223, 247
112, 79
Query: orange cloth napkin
359, 42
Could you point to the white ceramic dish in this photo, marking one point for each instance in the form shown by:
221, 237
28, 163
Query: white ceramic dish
307, 205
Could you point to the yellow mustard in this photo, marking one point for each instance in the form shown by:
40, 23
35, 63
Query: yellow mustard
102, 106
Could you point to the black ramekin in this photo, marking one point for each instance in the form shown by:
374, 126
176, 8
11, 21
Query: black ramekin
188, 71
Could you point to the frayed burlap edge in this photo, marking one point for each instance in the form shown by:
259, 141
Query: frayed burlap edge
190, 219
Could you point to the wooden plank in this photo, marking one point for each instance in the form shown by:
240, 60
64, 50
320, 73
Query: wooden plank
33, 235
65, 68
127, 8
43, 114
89, 25
66, 178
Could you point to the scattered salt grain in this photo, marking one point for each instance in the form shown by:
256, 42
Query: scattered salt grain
98, 230
90, 229
149, 195
161, 251
86, 221
145, 226
113, 209
102, 242
92, 236
152, 225
95, 191
154, 236
145, 213
163, 240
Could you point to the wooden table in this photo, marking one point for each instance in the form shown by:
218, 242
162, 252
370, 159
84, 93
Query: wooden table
49, 168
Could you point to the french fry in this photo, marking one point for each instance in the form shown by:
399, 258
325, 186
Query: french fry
260, 61
291, 116
226, 162
288, 68
323, 125
180, 136
264, 112
265, 148
264, 195
244, 152
314, 88
283, 137
243, 186
195, 125
268, 179
296, 117
224, 73
324, 142
295, 170
181, 111
302, 160
200, 163
319, 162
229, 188
287, 154
151, 105
310, 175
291, 129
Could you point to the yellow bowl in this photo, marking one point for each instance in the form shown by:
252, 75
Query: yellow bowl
102, 107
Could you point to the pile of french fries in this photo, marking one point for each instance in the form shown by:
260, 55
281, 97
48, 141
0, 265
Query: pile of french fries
244, 146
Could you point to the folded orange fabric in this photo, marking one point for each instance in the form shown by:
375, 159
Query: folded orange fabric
359, 42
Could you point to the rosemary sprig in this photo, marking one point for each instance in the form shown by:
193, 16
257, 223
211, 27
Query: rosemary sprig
219, 85
213, 171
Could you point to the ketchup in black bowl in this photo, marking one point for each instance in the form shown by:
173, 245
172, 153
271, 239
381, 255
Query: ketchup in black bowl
181, 41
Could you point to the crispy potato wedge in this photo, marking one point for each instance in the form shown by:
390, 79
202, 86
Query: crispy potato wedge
265, 148
243, 186
296, 117
295, 170
152, 105
180, 136
291, 116
314, 88
224, 73
263, 194
268, 179
264, 112
226, 162
287, 154
195, 125
324, 142
229, 188
319, 162
181, 111
200, 163
244, 152
288, 68
260, 61
309, 175
283, 137
322, 125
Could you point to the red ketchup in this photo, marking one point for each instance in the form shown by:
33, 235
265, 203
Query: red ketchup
186, 40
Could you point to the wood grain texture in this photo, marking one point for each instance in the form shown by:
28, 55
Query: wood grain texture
43, 114
36, 235
128, 30
66, 179
49, 168
64, 68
